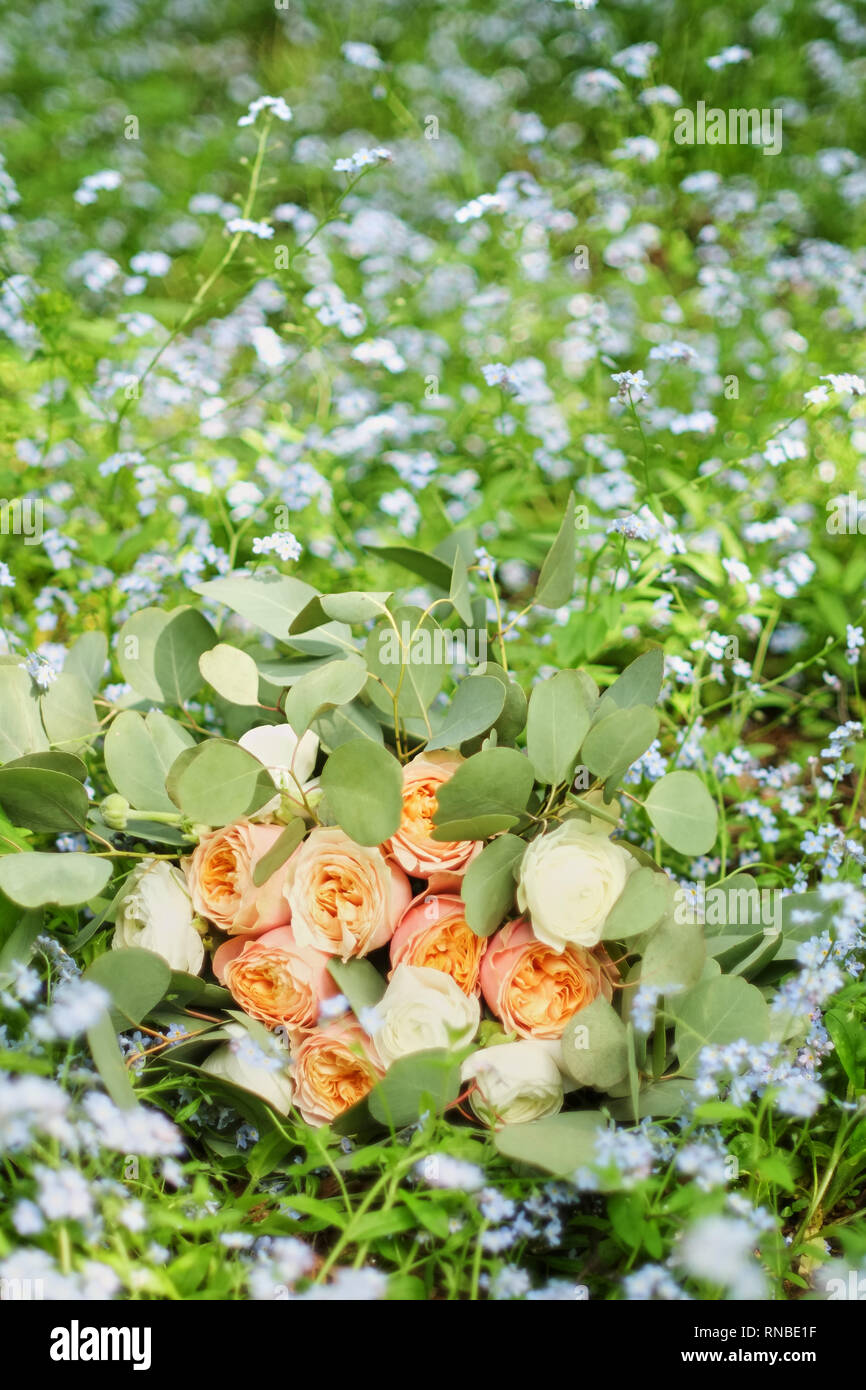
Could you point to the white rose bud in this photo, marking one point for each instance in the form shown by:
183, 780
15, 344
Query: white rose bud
243, 1062
422, 1008
570, 879
156, 913
515, 1082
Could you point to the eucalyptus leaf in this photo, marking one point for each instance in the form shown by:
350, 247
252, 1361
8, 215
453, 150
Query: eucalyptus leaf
459, 588
475, 707
37, 879
559, 1144
594, 1046
43, 799
21, 728
618, 740
87, 658
109, 1062
139, 752
218, 782
489, 883
359, 980
639, 684
427, 567
716, 1012
281, 850
135, 979
557, 724
556, 581
69, 714
492, 784
232, 673
646, 897
334, 684
363, 784
683, 812
412, 1085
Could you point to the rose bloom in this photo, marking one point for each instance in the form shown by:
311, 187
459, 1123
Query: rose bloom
433, 932
345, 899
515, 1082
535, 989
290, 761
275, 980
443, 863
570, 879
334, 1068
421, 1009
220, 877
155, 913
238, 1061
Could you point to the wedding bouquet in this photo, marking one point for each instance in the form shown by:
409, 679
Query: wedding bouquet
355, 896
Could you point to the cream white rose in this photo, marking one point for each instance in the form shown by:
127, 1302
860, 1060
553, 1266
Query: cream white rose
422, 1008
156, 913
243, 1062
569, 880
289, 760
515, 1082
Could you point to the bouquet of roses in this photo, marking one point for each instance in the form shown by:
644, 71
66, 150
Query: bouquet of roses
405, 900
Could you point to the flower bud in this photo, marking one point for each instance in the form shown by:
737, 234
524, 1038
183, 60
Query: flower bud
115, 811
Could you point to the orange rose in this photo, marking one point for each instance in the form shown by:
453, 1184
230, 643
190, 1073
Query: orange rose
275, 980
433, 932
442, 862
534, 989
333, 1069
220, 876
345, 899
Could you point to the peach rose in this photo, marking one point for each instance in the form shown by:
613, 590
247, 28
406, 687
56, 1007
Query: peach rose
442, 862
433, 932
333, 1069
275, 980
345, 899
220, 876
534, 989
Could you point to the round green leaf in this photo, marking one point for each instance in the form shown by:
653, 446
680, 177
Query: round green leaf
557, 724
683, 812
69, 714
674, 955
363, 784
65, 880
359, 980
594, 1046
559, 1144
422, 1081
336, 683
21, 728
477, 704
717, 1011
488, 884
43, 800
217, 782
492, 784
232, 673
136, 980
139, 752
618, 740
641, 904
